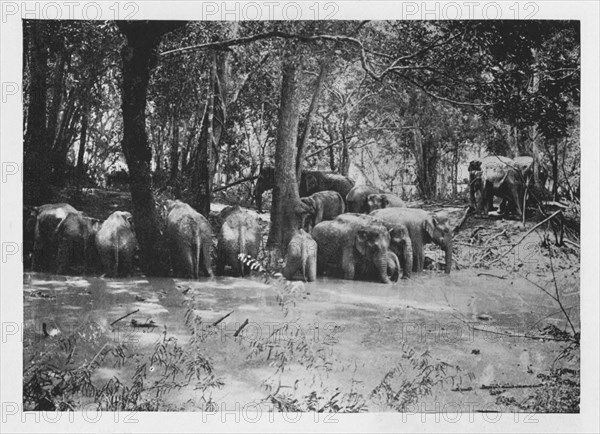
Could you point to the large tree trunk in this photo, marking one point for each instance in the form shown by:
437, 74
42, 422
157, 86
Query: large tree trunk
312, 110
36, 156
284, 209
174, 156
213, 126
139, 58
80, 170
204, 163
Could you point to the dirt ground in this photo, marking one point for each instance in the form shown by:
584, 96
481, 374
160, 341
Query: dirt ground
482, 338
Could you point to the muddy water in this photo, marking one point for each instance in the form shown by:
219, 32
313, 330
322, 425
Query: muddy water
326, 337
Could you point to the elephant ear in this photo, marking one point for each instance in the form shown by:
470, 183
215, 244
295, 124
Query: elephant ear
384, 201
127, 217
430, 224
362, 238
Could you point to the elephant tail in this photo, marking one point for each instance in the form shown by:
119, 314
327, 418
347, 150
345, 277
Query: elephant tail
117, 254
242, 246
304, 256
196, 258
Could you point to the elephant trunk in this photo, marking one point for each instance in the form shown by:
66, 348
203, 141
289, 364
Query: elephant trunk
381, 266
448, 250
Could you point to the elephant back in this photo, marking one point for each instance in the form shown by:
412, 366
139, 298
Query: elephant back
357, 197
496, 169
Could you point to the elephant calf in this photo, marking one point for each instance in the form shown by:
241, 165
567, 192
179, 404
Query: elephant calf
190, 239
423, 227
240, 233
301, 256
323, 205
350, 242
117, 244
75, 236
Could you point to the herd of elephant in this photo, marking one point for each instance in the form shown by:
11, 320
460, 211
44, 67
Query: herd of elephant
354, 232
505, 178
357, 232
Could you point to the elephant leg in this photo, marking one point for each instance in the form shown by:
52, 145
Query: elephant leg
319, 216
220, 261
348, 263
407, 259
311, 268
516, 198
487, 197
62, 257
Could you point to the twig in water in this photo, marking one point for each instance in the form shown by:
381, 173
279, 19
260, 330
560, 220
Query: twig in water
216, 323
124, 316
237, 332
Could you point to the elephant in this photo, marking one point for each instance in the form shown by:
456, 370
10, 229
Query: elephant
315, 181
350, 242
189, 236
367, 270
357, 198
498, 176
117, 244
383, 200
239, 233
423, 227
45, 220
75, 236
301, 255
323, 205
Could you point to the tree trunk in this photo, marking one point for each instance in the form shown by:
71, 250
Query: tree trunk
57, 94
81, 152
555, 175
139, 58
312, 110
36, 146
174, 157
284, 217
204, 167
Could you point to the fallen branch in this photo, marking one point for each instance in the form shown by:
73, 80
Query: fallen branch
524, 236
239, 181
124, 316
571, 243
237, 332
491, 275
509, 386
216, 323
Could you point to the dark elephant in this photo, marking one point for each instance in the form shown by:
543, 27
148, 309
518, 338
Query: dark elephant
423, 227
266, 181
350, 242
75, 236
316, 181
499, 176
357, 198
239, 233
45, 246
367, 271
117, 244
323, 205
301, 256
383, 200
189, 236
